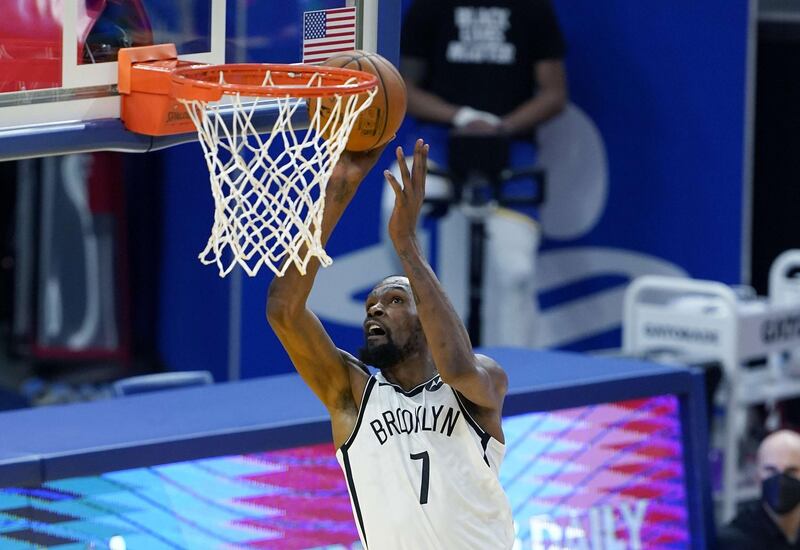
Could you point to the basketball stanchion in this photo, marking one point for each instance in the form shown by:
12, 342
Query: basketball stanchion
269, 183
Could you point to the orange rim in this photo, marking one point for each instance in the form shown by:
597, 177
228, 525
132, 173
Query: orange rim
201, 82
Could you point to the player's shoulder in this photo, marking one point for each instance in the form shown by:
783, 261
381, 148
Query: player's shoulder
359, 375
355, 364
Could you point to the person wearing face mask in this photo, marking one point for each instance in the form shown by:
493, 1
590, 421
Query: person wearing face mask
774, 522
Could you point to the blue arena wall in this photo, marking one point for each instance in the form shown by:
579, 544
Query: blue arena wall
657, 94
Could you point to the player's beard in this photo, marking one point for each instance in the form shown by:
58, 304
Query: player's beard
389, 354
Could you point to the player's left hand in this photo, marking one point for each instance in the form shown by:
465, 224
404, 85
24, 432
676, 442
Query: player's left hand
410, 195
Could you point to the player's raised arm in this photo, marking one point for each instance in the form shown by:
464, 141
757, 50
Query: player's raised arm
478, 378
321, 365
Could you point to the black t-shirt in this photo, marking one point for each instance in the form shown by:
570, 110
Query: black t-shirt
481, 53
753, 529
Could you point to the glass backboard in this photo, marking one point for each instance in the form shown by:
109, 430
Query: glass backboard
52, 102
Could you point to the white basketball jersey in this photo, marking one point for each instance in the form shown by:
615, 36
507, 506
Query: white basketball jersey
422, 474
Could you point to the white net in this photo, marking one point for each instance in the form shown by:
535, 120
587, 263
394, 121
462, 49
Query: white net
269, 190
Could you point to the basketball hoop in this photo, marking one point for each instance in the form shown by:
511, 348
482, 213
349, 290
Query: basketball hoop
269, 191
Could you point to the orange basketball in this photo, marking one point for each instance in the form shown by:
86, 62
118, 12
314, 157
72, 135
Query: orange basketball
381, 120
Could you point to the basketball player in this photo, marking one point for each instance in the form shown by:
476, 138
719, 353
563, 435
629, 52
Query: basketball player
420, 442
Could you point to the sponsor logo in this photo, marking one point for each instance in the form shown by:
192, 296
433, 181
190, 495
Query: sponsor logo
780, 330
686, 334
602, 527
177, 116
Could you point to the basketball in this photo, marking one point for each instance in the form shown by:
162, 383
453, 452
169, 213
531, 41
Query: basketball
381, 120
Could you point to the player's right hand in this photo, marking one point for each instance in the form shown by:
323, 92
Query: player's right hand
409, 195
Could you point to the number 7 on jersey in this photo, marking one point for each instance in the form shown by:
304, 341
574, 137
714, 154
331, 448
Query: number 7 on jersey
426, 472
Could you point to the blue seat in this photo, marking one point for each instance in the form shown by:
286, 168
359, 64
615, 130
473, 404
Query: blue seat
161, 381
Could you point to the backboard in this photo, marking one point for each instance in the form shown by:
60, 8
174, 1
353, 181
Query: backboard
58, 69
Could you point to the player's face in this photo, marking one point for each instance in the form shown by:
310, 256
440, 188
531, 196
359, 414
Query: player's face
391, 314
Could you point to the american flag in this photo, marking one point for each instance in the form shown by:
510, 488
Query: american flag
326, 32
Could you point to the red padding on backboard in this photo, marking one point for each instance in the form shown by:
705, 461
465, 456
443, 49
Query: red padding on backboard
30, 46
31, 41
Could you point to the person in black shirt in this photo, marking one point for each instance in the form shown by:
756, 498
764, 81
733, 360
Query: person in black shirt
489, 68
483, 65
774, 522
